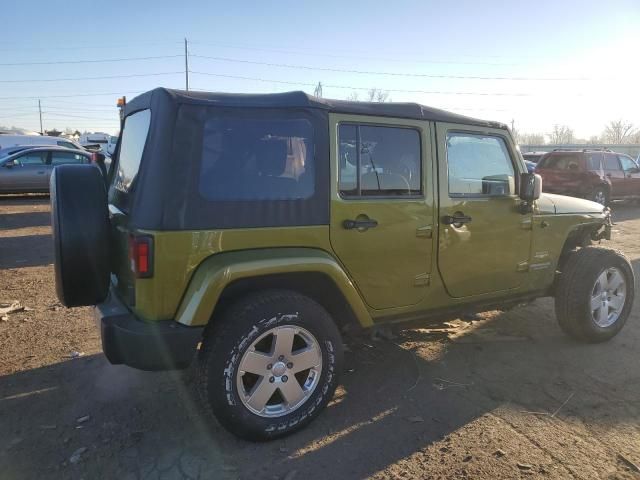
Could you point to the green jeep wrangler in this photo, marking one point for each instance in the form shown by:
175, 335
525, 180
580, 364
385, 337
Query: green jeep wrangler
249, 231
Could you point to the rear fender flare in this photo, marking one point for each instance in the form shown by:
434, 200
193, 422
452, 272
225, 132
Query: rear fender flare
215, 273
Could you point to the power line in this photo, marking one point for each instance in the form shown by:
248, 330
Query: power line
353, 57
350, 87
85, 46
75, 95
372, 72
107, 77
70, 62
54, 114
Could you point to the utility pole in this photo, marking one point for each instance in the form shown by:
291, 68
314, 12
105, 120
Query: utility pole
40, 111
186, 65
318, 91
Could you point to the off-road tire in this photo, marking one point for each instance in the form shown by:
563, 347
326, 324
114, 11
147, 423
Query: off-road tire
81, 234
230, 335
573, 293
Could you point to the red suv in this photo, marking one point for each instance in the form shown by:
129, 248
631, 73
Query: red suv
600, 176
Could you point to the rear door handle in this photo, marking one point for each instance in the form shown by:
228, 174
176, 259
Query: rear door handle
360, 224
457, 219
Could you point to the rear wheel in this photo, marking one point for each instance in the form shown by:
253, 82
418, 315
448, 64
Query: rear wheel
269, 364
595, 294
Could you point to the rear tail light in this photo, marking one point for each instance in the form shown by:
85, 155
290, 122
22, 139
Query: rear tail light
141, 255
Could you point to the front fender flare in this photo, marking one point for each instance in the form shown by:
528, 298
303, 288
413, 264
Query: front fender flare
216, 272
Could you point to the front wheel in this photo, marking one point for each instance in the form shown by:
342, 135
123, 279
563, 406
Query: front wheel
269, 364
595, 294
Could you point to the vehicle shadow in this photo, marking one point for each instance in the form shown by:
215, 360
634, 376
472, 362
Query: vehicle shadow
24, 220
397, 399
623, 211
25, 251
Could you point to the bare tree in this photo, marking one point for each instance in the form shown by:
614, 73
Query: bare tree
530, 138
377, 95
618, 131
372, 95
560, 134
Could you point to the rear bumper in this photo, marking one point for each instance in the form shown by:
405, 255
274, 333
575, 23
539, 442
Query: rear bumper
162, 345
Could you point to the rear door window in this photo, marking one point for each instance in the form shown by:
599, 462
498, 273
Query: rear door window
594, 160
134, 138
562, 161
379, 161
63, 158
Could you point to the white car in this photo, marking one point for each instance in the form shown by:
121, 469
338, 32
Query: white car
36, 140
106, 142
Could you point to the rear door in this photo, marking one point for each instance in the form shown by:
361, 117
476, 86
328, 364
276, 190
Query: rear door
631, 176
613, 171
484, 240
382, 210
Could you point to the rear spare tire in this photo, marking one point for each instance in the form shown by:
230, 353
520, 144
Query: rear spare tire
80, 224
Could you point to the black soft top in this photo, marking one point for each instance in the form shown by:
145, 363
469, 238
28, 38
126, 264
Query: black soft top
160, 96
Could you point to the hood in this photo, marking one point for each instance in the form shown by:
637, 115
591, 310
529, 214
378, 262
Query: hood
549, 203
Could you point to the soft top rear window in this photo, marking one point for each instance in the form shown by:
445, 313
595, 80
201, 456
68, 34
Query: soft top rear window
134, 137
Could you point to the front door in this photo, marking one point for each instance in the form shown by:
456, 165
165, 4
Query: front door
631, 176
613, 171
28, 173
484, 240
382, 206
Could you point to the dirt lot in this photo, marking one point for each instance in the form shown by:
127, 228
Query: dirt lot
504, 397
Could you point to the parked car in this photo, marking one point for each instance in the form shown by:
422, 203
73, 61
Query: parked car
533, 157
597, 175
248, 231
36, 140
5, 152
29, 170
99, 141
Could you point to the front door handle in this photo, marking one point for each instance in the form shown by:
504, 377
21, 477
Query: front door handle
457, 219
41, 172
360, 224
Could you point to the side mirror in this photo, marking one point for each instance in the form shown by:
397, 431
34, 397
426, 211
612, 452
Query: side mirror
530, 186
9, 164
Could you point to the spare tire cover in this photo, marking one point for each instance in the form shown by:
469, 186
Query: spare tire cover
80, 223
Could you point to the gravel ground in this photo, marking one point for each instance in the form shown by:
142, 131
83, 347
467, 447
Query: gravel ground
505, 396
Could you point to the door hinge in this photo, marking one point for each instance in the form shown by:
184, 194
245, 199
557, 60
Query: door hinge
422, 280
425, 232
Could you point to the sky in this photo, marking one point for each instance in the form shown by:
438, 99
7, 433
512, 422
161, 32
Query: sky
534, 63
